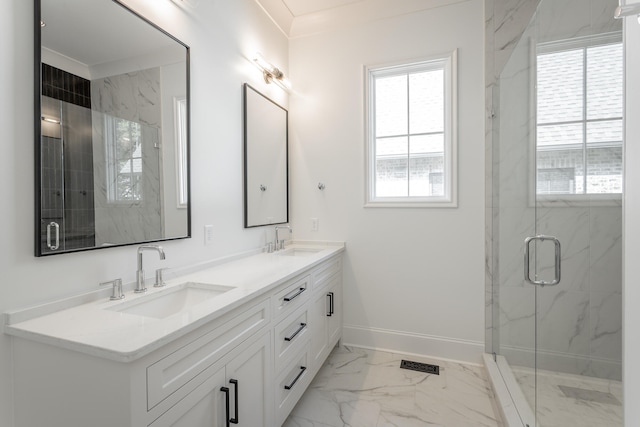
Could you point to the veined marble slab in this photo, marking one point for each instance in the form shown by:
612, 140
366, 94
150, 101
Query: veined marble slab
366, 388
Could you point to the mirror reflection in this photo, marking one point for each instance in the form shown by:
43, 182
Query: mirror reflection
112, 129
266, 140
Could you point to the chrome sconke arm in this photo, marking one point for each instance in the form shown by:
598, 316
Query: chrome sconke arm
624, 10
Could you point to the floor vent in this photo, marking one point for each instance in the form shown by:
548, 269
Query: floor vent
420, 367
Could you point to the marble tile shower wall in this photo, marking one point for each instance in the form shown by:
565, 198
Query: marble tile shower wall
579, 321
505, 22
135, 97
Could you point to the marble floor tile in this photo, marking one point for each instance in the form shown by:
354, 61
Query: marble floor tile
366, 388
585, 408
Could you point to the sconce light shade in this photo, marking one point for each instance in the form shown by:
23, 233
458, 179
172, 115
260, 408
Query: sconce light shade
627, 10
271, 73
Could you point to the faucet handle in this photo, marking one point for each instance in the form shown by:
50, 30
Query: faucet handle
160, 278
116, 293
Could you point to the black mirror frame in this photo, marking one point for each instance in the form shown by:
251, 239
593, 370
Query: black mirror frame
38, 133
246, 87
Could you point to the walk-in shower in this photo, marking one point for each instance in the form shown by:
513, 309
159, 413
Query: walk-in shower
557, 146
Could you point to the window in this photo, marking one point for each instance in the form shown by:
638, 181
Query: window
182, 155
124, 160
579, 117
411, 144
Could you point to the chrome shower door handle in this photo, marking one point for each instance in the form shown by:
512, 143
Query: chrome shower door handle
557, 260
55, 225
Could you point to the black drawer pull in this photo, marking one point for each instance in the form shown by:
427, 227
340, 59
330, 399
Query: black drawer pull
330, 295
225, 390
235, 383
292, 297
290, 386
302, 326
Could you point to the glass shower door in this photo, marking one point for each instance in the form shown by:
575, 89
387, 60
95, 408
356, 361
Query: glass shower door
557, 196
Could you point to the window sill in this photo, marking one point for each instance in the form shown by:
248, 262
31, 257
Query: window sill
578, 200
404, 203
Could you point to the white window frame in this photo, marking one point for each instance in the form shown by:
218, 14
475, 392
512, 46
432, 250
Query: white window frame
112, 172
564, 200
448, 63
182, 155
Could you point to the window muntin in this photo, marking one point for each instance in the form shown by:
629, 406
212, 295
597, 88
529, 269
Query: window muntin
579, 117
123, 143
411, 134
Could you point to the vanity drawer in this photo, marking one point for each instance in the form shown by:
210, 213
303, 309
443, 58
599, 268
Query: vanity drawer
173, 373
291, 384
324, 271
290, 336
292, 296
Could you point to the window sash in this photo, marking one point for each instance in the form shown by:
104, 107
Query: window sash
413, 197
589, 182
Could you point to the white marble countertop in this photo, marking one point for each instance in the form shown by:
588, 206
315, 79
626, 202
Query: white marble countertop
85, 323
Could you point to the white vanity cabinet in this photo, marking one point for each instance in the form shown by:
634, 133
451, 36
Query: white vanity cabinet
326, 310
238, 391
250, 365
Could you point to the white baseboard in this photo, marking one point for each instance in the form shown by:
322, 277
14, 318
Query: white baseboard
410, 343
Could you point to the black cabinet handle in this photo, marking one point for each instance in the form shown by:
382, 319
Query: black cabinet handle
292, 297
290, 386
302, 326
235, 383
225, 390
330, 295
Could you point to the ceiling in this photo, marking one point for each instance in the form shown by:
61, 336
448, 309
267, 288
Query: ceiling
298, 18
304, 7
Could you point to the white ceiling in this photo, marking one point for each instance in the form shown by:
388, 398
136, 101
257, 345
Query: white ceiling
298, 18
304, 7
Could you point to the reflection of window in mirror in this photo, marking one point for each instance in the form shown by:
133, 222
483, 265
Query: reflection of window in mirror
180, 112
123, 142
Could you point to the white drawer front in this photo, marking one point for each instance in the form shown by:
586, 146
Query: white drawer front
291, 297
290, 335
324, 271
170, 374
291, 384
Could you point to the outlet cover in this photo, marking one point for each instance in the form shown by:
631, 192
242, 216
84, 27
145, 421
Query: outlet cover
315, 224
208, 235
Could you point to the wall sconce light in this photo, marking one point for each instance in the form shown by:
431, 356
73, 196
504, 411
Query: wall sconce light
272, 73
627, 10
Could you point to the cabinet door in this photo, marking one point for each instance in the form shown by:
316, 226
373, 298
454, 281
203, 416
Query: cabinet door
205, 406
249, 375
335, 319
318, 326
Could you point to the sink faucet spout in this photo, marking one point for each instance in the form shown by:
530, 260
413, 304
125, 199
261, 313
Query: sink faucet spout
140, 273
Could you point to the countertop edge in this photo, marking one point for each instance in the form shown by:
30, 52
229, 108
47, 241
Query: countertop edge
127, 356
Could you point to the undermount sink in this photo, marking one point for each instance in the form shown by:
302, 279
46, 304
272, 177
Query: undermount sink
171, 300
299, 251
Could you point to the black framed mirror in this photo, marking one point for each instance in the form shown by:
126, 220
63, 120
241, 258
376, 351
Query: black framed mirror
266, 188
111, 128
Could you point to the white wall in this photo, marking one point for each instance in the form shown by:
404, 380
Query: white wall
174, 216
223, 35
631, 249
412, 276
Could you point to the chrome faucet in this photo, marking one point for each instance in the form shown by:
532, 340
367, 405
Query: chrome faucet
280, 243
140, 273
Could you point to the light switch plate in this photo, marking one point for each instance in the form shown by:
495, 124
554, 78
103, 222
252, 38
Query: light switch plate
208, 235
